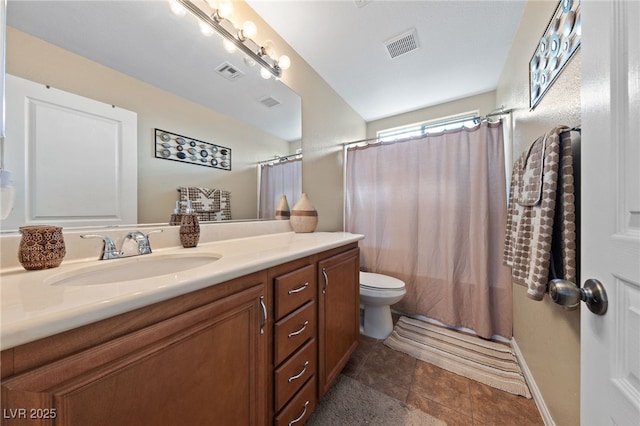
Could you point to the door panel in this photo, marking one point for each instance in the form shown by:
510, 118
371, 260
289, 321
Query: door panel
610, 344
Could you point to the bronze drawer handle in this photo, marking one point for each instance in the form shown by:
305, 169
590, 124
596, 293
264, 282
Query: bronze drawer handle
306, 404
297, 376
295, 333
299, 289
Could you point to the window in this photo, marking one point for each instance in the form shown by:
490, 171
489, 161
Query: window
468, 119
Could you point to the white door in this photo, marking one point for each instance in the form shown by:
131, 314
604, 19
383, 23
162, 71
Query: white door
610, 246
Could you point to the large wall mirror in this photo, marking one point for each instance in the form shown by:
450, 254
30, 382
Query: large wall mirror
139, 56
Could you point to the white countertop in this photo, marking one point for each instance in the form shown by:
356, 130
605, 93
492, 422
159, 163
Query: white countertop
32, 308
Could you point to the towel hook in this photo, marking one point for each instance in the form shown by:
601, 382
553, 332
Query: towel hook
569, 295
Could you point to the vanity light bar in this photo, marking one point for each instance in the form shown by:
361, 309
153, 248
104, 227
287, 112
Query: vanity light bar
258, 56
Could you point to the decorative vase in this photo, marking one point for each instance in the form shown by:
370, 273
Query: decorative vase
304, 217
282, 211
41, 247
189, 230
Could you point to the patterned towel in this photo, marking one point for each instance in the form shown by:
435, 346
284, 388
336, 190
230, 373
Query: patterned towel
208, 203
542, 191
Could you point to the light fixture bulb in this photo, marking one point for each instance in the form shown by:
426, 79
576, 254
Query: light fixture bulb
229, 46
268, 48
206, 29
265, 73
177, 8
284, 62
225, 10
247, 31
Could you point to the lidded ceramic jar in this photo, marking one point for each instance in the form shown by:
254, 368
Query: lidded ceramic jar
41, 247
304, 216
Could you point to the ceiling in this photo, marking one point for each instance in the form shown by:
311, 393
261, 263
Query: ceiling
462, 47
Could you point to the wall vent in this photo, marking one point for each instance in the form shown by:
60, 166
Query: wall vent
269, 102
229, 71
403, 43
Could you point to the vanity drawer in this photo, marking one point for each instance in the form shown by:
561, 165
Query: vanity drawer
292, 374
297, 412
293, 330
294, 289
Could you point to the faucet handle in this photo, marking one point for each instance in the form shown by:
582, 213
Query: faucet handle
109, 250
144, 247
155, 231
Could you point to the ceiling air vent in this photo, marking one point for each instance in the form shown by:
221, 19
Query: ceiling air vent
404, 43
361, 3
269, 102
229, 71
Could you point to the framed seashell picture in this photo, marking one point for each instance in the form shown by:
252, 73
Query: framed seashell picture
557, 45
171, 146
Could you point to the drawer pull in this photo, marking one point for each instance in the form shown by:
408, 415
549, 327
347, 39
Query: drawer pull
297, 376
299, 289
326, 280
295, 333
306, 404
264, 314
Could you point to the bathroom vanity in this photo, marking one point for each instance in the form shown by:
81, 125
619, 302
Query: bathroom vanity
257, 337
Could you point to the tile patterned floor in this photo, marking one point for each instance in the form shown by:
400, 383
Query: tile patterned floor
447, 396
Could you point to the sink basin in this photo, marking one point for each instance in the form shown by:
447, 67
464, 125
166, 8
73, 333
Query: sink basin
132, 268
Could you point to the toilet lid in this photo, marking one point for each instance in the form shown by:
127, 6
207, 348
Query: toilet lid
379, 281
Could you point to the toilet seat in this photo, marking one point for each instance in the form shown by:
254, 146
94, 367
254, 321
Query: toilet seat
378, 282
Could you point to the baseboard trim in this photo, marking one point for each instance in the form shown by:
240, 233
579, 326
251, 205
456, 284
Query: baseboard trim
533, 387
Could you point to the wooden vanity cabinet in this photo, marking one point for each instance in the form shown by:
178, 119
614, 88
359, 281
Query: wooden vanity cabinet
204, 366
209, 357
339, 314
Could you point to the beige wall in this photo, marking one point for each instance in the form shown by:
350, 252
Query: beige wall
33, 59
483, 103
327, 122
548, 336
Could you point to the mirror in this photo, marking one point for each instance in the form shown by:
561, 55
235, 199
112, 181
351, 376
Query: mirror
153, 54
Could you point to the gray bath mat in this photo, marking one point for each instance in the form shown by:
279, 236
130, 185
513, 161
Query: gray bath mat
351, 403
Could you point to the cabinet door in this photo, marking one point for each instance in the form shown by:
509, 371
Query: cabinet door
339, 315
204, 367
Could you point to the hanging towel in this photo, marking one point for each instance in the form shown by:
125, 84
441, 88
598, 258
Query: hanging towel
208, 203
542, 189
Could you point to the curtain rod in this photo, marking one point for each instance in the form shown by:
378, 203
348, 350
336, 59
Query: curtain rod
496, 112
282, 159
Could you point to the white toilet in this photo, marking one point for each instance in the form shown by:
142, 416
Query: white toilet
377, 293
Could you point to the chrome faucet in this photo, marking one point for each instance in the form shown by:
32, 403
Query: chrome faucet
110, 251
142, 239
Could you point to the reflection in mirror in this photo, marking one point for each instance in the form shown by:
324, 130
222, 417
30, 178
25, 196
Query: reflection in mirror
141, 57
281, 177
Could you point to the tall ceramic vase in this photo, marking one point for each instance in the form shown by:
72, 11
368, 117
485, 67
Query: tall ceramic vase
304, 217
282, 211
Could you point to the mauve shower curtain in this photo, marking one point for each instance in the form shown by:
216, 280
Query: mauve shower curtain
433, 212
279, 179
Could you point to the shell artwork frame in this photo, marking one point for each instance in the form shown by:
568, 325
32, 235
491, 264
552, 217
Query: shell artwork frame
175, 147
559, 42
